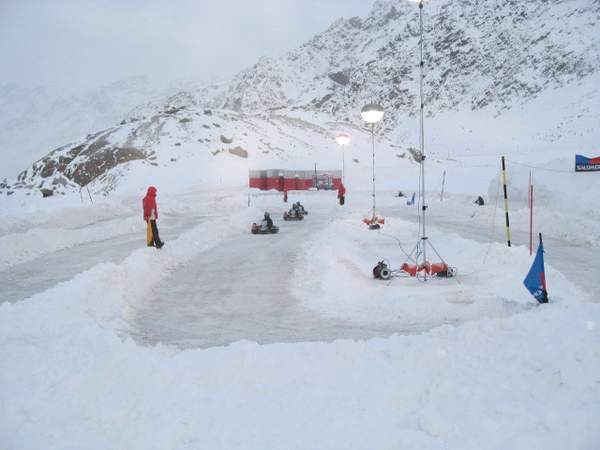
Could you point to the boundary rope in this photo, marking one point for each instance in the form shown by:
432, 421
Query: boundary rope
538, 168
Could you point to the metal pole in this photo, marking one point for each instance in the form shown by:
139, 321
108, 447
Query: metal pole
532, 208
443, 184
343, 166
529, 205
422, 139
373, 144
505, 202
543, 276
531, 224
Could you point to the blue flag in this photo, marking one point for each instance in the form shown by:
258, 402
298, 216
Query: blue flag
535, 281
411, 201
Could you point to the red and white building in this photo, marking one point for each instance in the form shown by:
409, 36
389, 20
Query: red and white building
294, 180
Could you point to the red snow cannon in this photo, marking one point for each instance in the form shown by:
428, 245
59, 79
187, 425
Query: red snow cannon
374, 223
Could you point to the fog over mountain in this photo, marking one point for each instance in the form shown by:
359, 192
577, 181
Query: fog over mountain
527, 70
71, 67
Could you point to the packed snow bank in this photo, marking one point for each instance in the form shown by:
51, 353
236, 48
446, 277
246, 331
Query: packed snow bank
18, 248
74, 378
487, 384
40, 230
21, 213
578, 224
334, 277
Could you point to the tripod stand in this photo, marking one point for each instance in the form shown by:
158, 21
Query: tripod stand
423, 242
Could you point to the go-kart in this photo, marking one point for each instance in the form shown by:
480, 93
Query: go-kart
256, 229
290, 215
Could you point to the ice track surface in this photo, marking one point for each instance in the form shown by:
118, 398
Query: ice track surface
240, 290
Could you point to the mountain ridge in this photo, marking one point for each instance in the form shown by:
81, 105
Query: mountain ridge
483, 58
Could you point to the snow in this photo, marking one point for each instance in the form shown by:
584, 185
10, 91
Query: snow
337, 263
469, 365
227, 340
75, 382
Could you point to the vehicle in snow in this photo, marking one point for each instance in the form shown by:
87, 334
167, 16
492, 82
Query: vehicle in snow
292, 215
265, 227
257, 229
383, 271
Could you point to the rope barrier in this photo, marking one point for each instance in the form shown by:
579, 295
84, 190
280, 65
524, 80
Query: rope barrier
538, 168
493, 222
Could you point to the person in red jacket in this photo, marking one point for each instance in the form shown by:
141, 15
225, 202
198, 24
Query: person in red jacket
342, 193
150, 216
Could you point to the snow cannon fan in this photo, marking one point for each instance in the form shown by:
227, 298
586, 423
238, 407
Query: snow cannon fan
382, 271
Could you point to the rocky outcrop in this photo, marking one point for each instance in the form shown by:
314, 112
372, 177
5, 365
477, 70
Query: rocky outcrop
239, 151
72, 167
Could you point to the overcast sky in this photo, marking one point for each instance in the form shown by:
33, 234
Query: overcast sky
79, 44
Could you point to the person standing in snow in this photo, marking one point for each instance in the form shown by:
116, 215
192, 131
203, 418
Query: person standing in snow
150, 216
342, 193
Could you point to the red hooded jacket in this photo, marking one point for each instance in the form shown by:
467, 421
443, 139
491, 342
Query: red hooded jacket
149, 204
341, 190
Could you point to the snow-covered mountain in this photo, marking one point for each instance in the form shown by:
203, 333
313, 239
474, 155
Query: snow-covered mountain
477, 53
33, 120
500, 76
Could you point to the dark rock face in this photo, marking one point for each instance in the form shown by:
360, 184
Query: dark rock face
73, 167
339, 78
102, 161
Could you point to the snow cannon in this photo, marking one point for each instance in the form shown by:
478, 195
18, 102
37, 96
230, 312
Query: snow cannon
374, 223
382, 271
441, 270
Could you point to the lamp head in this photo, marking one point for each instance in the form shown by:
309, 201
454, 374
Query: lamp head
372, 113
342, 139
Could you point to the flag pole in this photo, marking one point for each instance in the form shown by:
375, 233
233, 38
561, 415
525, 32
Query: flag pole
545, 298
443, 185
530, 204
505, 202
